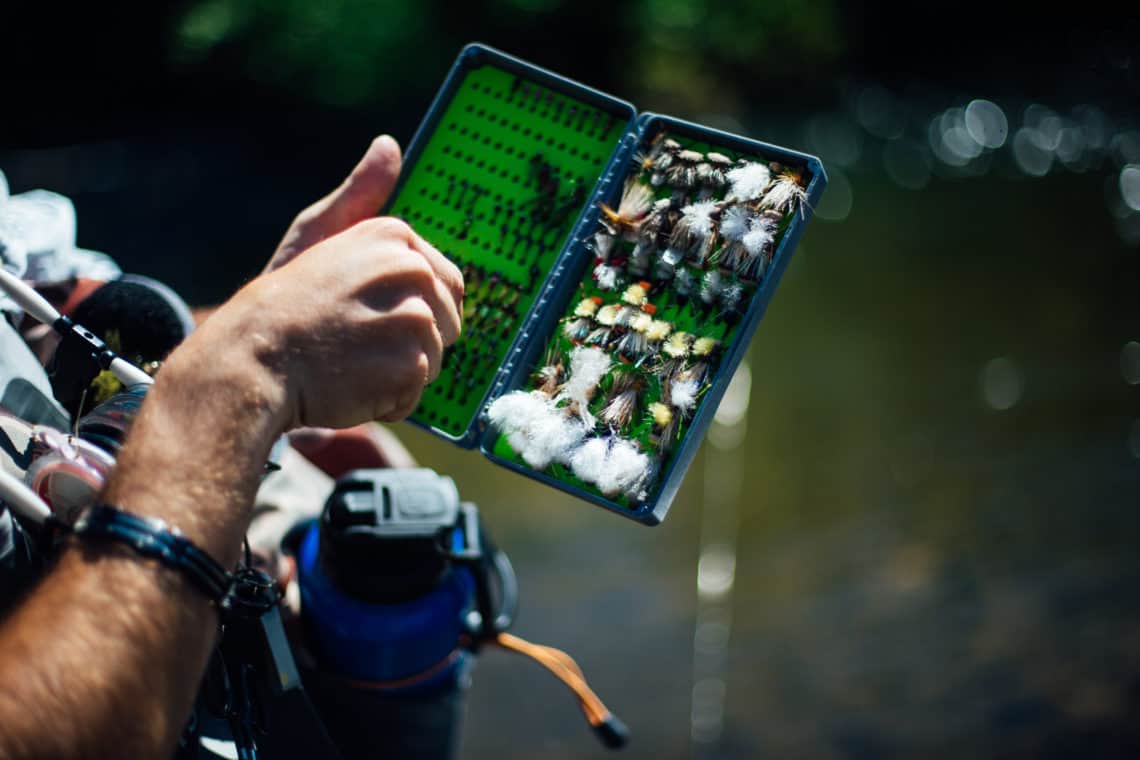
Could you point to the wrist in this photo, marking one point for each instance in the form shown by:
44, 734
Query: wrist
196, 452
152, 538
241, 359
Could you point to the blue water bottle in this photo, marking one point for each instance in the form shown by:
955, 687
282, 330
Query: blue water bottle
385, 604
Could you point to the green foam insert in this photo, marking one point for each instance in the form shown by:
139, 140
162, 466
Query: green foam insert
497, 188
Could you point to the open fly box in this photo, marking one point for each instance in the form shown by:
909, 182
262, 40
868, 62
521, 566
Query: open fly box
616, 266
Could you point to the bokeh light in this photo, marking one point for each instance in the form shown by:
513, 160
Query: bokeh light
729, 424
835, 139
1029, 154
716, 571
1130, 362
708, 709
907, 163
986, 123
878, 111
1043, 126
1130, 186
959, 142
1126, 145
1001, 383
839, 198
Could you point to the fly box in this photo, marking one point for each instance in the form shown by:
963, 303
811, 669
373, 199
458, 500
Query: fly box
616, 266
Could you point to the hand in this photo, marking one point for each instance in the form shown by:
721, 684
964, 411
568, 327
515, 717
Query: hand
353, 312
356, 325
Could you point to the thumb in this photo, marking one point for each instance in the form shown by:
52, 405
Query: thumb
365, 189
359, 197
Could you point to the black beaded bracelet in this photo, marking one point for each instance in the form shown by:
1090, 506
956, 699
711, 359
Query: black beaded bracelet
152, 537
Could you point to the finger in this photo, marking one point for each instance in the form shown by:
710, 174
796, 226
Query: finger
367, 188
445, 294
407, 375
362, 193
419, 318
361, 196
402, 408
414, 263
449, 275
445, 312
449, 317
444, 269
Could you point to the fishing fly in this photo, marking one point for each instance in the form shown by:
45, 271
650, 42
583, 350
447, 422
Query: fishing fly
786, 193
675, 269
636, 201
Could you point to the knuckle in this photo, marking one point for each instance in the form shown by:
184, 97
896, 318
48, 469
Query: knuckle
390, 226
420, 271
402, 408
423, 367
454, 281
412, 374
450, 326
372, 226
433, 350
421, 329
409, 406
307, 217
419, 311
407, 399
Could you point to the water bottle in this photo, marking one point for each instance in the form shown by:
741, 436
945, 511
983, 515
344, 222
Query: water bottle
386, 601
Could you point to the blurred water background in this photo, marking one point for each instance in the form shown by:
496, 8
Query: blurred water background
913, 530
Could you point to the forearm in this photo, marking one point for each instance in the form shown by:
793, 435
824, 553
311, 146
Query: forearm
196, 452
351, 323
129, 638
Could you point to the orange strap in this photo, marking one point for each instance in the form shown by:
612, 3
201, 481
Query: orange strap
564, 668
